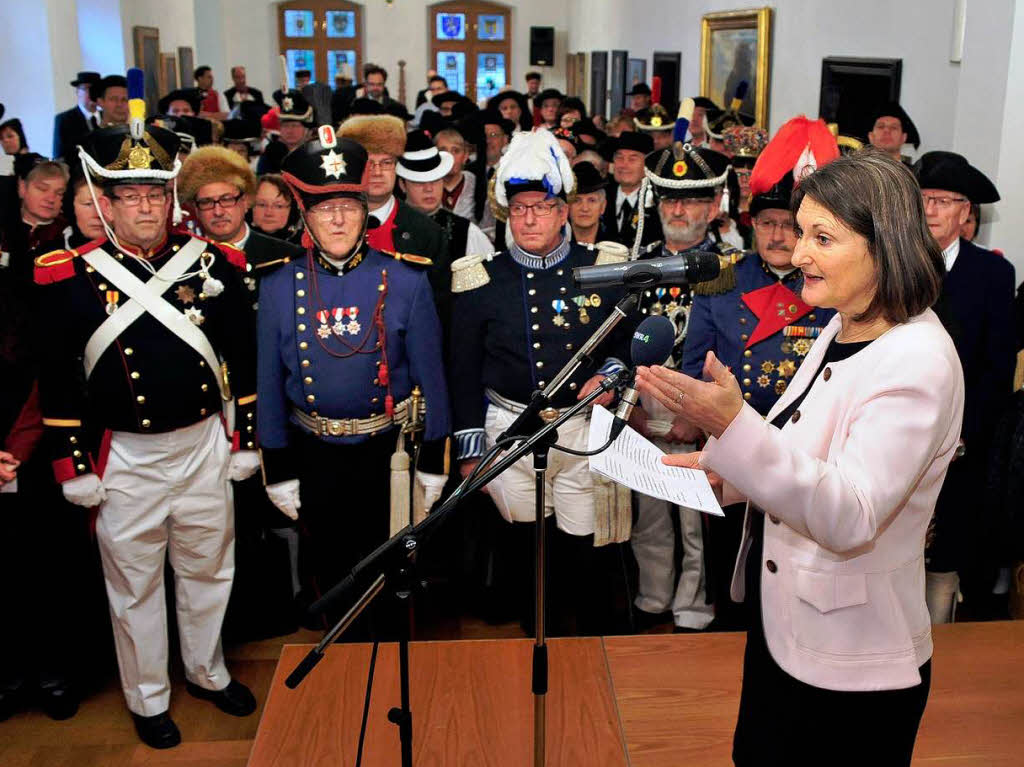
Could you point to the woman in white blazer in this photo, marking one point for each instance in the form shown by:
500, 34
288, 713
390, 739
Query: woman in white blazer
840, 478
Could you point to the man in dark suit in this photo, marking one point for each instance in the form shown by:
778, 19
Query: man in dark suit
71, 126
241, 92
620, 219
976, 306
395, 226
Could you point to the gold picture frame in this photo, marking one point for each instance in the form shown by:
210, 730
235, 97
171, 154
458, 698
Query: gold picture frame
736, 46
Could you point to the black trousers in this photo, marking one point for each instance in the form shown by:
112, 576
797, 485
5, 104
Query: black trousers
783, 721
345, 512
588, 591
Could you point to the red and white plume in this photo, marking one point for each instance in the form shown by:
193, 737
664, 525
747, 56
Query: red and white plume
801, 146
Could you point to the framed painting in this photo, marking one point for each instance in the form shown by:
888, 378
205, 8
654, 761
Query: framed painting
186, 66
598, 83
147, 58
636, 72
735, 47
168, 73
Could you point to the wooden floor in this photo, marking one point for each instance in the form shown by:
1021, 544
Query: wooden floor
975, 713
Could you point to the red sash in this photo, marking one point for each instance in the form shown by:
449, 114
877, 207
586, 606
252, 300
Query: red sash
382, 238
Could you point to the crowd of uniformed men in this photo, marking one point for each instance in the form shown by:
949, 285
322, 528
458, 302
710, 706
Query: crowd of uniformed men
231, 327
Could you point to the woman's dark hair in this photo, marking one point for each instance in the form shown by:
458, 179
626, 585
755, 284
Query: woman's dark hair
281, 185
15, 125
976, 212
878, 198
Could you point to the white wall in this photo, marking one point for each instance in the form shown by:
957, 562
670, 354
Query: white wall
1006, 232
244, 32
100, 36
174, 18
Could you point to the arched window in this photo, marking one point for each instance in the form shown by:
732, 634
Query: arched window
321, 36
470, 46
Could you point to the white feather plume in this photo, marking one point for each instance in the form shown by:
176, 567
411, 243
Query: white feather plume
533, 157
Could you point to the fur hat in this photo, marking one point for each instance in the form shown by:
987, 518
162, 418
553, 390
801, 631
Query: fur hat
211, 164
378, 134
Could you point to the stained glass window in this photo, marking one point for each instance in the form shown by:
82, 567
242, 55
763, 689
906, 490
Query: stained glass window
341, 23
490, 74
336, 60
298, 24
451, 65
490, 27
451, 26
299, 59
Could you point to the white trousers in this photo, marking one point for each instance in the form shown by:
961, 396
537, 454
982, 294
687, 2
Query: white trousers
167, 495
653, 543
941, 593
568, 487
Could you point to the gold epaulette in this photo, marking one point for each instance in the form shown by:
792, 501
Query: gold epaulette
409, 258
728, 257
56, 257
469, 272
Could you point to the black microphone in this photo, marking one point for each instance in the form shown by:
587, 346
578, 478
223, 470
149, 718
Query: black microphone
652, 344
688, 267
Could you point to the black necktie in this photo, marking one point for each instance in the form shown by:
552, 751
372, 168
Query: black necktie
627, 216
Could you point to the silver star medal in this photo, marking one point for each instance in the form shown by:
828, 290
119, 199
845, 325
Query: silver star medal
333, 164
195, 315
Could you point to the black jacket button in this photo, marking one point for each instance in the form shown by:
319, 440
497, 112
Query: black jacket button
772, 567
796, 416
773, 519
827, 374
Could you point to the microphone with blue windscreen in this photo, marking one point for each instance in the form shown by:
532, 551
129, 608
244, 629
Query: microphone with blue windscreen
652, 344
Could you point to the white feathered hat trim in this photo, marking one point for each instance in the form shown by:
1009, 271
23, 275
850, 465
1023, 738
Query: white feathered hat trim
534, 160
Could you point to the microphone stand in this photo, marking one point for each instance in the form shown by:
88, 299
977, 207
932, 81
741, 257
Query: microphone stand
393, 562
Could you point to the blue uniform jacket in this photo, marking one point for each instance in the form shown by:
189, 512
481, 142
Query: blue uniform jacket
297, 372
723, 323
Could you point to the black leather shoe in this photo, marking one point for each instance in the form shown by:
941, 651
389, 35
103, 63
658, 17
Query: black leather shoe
235, 699
58, 700
13, 699
158, 731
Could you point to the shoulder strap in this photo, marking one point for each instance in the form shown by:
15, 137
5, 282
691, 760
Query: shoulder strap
147, 297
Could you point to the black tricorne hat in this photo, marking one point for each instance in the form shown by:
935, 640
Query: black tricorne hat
85, 78
952, 172
421, 160
892, 109
364, 106
777, 197
326, 166
588, 178
99, 88
114, 157
241, 131
25, 162
547, 94
631, 140
693, 173
397, 109
446, 97
525, 117
191, 95
654, 119
586, 127
292, 105
640, 89
493, 117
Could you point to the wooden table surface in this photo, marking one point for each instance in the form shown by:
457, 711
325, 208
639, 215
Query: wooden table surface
471, 705
644, 701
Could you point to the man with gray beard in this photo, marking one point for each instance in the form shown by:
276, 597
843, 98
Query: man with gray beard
686, 182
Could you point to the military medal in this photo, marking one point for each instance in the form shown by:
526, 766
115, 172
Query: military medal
802, 345
195, 315
559, 306
353, 326
787, 368
339, 325
112, 299
185, 294
763, 381
595, 300
780, 387
324, 331
674, 303
582, 302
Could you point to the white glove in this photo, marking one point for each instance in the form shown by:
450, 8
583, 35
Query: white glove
432, 485
285, 495
86, 490
243, 465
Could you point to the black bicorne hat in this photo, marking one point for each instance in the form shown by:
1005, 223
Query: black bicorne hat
113, 156
693, 173
892, 109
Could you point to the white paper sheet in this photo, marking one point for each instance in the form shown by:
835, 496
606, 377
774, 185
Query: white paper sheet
635, 462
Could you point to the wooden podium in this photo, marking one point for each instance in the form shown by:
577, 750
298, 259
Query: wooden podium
471, 705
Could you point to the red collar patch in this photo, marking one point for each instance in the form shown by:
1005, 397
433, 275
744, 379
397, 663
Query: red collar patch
775, 307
